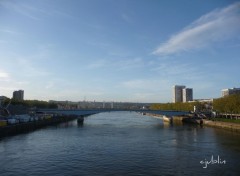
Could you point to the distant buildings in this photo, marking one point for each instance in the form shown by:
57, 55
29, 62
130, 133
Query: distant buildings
99, 105
177, 93
187, 94
182, 94
18, 95
226, 92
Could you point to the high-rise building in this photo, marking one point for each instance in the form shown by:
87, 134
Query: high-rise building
177, 93
187, 94
226, 92
18, 95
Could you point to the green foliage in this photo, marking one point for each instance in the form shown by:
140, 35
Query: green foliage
228, 120
177, 106
31, 103
229, 104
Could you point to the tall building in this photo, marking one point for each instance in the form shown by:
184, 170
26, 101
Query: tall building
177, 93
226, 92
187, 94
18, 95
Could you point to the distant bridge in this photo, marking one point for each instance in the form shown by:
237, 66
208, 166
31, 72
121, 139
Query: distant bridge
95, 111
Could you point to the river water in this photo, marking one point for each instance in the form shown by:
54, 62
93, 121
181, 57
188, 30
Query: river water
121, 143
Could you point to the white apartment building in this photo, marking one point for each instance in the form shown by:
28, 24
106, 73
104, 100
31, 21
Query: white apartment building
178, 93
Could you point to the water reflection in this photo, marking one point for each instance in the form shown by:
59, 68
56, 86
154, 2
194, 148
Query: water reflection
120, 143
228, 139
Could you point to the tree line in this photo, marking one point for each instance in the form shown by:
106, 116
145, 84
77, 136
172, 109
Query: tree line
30, 103
229, 104
179, 106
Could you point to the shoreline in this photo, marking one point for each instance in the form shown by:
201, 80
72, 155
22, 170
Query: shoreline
15, 129
224, 125
209, 123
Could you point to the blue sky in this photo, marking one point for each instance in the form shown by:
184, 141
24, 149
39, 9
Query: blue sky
121, 50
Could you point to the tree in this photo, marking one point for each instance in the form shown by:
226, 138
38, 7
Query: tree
229, 104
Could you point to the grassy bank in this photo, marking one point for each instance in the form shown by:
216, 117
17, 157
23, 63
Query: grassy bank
228, 120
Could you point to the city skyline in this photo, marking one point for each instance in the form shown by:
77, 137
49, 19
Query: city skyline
126, 51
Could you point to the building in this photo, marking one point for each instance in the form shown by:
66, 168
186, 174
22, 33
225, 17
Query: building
177, 93
18, 95
187, 94
226, 92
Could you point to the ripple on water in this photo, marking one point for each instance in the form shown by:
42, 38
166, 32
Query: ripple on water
119, 143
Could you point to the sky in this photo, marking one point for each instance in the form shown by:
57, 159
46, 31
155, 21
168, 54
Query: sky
118, 50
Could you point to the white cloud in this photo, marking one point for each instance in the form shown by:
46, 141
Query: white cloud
218, 25
4, 75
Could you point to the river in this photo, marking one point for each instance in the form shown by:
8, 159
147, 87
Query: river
121, 143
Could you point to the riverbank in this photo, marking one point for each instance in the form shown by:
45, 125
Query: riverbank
15, 129
223, 125
217, 124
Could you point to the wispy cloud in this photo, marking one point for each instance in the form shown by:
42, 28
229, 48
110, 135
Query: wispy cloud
218, 25
33, 12
148, 90
146, 84
8, 31
29, 68
20, 8
117, 64
124, 64
126, 18
175, 69
97, 64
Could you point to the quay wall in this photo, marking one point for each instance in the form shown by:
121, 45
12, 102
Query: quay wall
14, 129
224, 125
216, 124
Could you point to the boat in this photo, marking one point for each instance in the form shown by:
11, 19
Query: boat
167, 119
193, 120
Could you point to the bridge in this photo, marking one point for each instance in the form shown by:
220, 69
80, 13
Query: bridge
85, 112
